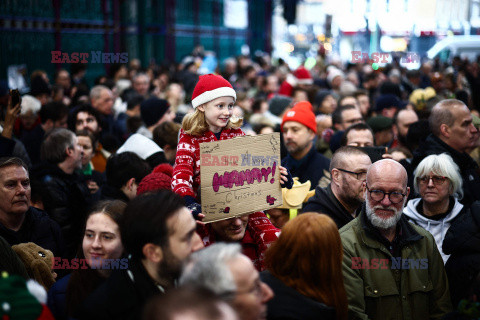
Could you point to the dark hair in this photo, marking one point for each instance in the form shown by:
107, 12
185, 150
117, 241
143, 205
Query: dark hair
356, 126
54, 145
72, 118
54, 111
337, 114
123, 166
134, 101
145, 221
12, 161
84, 281
417, 133
91, 136
198, 300
166, 133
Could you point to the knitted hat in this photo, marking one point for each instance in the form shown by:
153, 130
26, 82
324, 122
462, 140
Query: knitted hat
385, 101
333, 73
17, 301
278, 104
153, 110
303, 76
159, 179
302, 113
210, 87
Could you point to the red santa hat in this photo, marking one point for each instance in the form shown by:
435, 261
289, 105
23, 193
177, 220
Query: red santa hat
210, 87
303, 76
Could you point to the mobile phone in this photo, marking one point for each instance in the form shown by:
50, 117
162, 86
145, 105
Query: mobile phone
15, 94
375, 153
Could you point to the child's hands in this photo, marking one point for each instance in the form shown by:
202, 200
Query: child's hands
286, 180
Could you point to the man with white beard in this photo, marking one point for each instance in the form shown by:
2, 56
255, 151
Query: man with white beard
392, 269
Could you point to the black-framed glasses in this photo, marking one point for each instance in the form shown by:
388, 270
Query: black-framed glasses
437, 180
358, 175
378, 195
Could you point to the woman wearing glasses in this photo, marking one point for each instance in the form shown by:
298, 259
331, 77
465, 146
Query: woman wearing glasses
438, 181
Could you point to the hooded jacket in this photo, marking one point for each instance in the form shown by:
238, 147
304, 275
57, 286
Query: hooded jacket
469, 169
438, 228
324, 201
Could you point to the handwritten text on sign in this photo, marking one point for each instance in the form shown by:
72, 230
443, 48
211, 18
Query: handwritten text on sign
240, 176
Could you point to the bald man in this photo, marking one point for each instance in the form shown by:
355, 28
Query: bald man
392, 269
453, 132
345, 194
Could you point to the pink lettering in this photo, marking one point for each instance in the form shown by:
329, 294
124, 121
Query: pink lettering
229, 179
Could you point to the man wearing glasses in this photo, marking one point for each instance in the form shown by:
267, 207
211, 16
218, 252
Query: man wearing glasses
345, 194
392, 269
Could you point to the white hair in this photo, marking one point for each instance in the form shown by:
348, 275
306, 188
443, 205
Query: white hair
208, 268
379, 222
30, 103
442, 165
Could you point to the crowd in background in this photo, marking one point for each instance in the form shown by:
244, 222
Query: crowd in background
88, 158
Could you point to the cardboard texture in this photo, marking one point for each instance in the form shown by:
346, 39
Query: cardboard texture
239, 176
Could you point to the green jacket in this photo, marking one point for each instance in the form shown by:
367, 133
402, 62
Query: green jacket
393, 288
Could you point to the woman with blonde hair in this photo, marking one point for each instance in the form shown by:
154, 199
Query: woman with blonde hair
304, 269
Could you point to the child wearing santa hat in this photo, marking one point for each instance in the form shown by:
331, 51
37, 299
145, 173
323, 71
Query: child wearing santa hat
213, 100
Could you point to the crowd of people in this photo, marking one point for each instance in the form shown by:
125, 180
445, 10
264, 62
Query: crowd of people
379, 172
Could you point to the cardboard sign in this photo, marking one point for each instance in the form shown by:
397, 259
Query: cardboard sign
239, 176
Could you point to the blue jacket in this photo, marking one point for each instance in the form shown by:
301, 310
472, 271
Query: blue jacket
311, 167
57, 298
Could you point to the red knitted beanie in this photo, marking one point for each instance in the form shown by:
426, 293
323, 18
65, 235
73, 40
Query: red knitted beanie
210, 87
159, 179
302, 113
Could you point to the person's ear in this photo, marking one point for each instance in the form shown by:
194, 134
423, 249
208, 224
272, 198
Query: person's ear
130, 183
152, 252
408, 192
201, 108
445, 130
335, 175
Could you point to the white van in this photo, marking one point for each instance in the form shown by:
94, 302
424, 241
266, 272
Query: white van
463, 46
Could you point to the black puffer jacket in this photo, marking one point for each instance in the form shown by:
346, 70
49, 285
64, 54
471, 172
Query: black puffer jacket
324, 201
469, 169
66, 200
462, 241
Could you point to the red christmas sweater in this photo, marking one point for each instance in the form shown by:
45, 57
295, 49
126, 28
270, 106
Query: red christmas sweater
260, 233
186, 172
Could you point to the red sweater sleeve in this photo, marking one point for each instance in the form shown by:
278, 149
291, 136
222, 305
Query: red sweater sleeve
187, 165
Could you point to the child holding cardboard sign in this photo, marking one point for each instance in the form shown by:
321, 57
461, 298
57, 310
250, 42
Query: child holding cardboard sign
213, 99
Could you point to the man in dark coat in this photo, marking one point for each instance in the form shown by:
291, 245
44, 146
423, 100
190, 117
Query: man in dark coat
454, 133
20, 223
299, 128
66, 195
345, 193
158, 232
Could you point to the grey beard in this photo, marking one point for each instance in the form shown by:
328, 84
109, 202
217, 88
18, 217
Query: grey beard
379, 222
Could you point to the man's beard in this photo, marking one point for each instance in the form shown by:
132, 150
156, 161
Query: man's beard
379, 222
170, 267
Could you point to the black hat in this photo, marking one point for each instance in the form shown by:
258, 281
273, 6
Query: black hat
152, 110
278, 104
380, 123
39, 86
